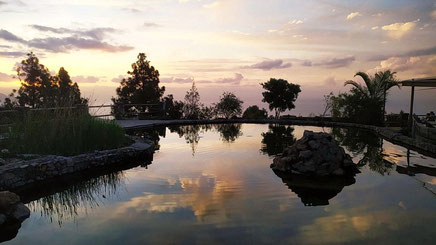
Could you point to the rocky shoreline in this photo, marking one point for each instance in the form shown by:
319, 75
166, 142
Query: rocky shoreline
15, 173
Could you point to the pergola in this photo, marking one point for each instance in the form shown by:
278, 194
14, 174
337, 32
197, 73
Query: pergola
419, 82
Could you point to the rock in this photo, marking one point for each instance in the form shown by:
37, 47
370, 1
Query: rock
2, 219
21, 212
8, 200
2, 162
4, 151
315, 154
305, 154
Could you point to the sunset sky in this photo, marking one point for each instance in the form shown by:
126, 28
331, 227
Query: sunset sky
225, 45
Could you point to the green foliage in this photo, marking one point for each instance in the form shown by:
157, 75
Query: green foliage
280, 95
40, 89
253, 112
229, 105
142, 85
62, 134
192, 105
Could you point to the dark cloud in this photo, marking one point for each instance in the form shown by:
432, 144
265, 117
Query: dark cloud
151, 25
336, 62
10, 37
66, 44
413, 53
83, 79
79, 39
6, 77
11, 54
306, 63
94, 33
118, 79
3, 3
269, 65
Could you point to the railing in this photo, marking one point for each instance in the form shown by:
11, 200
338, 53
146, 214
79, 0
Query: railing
425, 130
118, 111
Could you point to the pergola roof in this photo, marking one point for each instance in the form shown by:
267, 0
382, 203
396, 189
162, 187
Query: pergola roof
419, 82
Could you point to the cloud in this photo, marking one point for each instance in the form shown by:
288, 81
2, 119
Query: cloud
177, 80
83, 79
419, 66
353, 15
132, 10
2, 3
235, 80
269, 65
6, 77
11, 54
433, 14
94, 33
336, 62
81, 39
416, 52
399, 29
10, 37
64, 45
330, 81
295, 22
118, 79
306, 63
151, 25
374, 28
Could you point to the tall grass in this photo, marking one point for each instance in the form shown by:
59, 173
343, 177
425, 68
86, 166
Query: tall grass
62, 133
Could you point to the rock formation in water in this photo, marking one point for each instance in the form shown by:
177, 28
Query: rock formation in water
12, 214
315, 154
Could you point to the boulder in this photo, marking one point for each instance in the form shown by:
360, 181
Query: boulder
12, 214
315, 154
8, 200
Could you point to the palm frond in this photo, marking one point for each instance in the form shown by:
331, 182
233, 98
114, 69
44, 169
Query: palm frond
357, 86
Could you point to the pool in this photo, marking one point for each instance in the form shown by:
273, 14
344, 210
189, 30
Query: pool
212, 184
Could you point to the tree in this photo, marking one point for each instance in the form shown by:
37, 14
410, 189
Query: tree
40, 89
173, 108
37, 86
142, 85
376, 86
68, 92
253, 112
229, 105
280, 95
192, 105
328, 103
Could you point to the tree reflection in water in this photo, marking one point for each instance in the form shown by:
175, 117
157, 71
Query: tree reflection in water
366, 144
65, 204
277, 139
228, 133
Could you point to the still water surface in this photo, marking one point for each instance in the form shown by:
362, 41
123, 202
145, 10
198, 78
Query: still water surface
213, 185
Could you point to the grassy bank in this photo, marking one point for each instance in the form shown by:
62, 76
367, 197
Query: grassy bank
62, 134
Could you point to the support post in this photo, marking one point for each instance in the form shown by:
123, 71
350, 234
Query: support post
412, 97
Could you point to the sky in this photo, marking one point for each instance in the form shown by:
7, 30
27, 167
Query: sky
225, 45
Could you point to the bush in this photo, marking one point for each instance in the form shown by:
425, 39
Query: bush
63, 134
253, 112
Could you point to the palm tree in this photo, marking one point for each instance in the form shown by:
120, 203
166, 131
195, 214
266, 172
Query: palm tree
376, 86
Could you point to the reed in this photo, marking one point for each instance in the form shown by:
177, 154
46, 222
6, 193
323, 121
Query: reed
62, 132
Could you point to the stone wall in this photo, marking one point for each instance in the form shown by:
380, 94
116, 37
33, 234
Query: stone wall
24, 172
